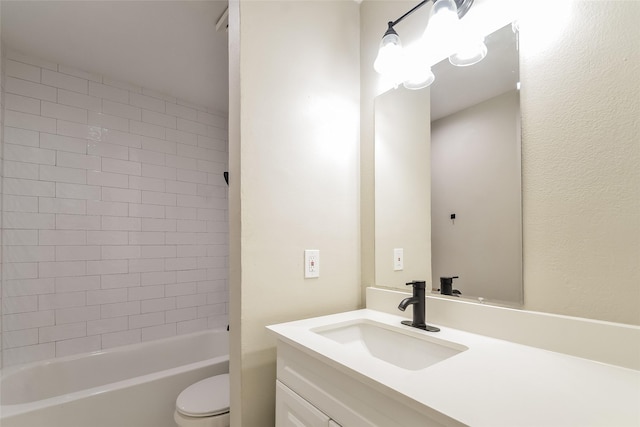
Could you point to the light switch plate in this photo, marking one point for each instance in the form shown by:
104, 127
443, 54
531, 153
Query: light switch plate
398, 259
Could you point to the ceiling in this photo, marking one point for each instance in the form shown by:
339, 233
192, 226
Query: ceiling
168, 46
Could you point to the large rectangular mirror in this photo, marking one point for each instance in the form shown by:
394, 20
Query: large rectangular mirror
448, 178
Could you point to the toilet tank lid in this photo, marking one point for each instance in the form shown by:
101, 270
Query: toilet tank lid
205, 398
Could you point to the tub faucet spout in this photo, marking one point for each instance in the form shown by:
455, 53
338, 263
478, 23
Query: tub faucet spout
419, 308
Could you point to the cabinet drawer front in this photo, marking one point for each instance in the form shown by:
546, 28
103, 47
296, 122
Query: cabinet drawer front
293, 411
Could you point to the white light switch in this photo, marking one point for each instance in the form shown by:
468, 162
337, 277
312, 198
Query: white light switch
311, 263
398, 259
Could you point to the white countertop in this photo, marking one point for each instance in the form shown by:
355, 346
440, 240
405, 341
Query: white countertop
493, 383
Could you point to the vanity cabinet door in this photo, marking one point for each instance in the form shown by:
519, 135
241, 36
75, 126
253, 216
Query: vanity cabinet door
293, 411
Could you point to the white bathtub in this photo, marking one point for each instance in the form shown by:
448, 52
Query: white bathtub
129, 386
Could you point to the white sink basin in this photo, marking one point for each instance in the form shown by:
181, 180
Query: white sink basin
394, 345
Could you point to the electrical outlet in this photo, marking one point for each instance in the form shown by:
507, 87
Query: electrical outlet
311, 263
398, 259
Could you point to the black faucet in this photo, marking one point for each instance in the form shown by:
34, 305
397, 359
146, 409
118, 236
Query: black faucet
418, 307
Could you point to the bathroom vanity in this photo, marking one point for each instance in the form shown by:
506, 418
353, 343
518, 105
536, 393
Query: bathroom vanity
364, 368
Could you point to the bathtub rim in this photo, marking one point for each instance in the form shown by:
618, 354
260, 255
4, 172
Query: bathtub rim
7, 411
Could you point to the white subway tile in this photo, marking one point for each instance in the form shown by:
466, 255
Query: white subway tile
185, 276
144, 320
103, 326
19, 237
218, 145
211, 310
122, 85
14, 339
77, 130
64, 206
190, 226
116, 339
158, 95
21, 136
107, 237
27, 59
62, 269
181, 162
22, 104
146, 129
121, 166
181, 264
22, 304
180, 212
146, 238
158, 332
79, 100
24, 220
117, 137
110, 194
146, 211
106, 179
103, 149
106, 296
36, 319
153, 171
192, 176
213, 120
121, 224
192, 201
125, 280
159, 145
217, 133
199, 153
146, 265
121, 110
77, 314
29, 121
79, 73
120, 252
181, 111
60, 174
77, 253
192, 326
61, 300
28, 254
212, 214
192, 250
108, 92
181, 137
157, 198
146, 156
180, 289
62, 238
108, 121
192, 127
30, 89
119, 309
24, 154
153, 224
63, 112
21, 70
107, 267
77, 222
143, 183
27, 354
158, 278
63, 143
28, 187
62, 332
147, 102
159, 119
64, 81
160, 251
98, 207
181, 314
75, 284
77, 345
20, 270
79, 161
77, 191
12, 203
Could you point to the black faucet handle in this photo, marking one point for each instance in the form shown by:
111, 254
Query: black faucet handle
419, 284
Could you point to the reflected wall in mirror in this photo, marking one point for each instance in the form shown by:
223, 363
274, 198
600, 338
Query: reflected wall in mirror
473, 154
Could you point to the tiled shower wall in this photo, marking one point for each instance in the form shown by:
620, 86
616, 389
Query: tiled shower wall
114, 213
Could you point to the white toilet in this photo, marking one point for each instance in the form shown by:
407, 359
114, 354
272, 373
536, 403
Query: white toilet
204, 404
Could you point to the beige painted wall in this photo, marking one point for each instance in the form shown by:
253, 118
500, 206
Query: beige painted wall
580, 103
402, 153
475, 168
294, 180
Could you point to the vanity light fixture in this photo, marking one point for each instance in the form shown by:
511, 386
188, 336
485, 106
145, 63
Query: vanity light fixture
444, 34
